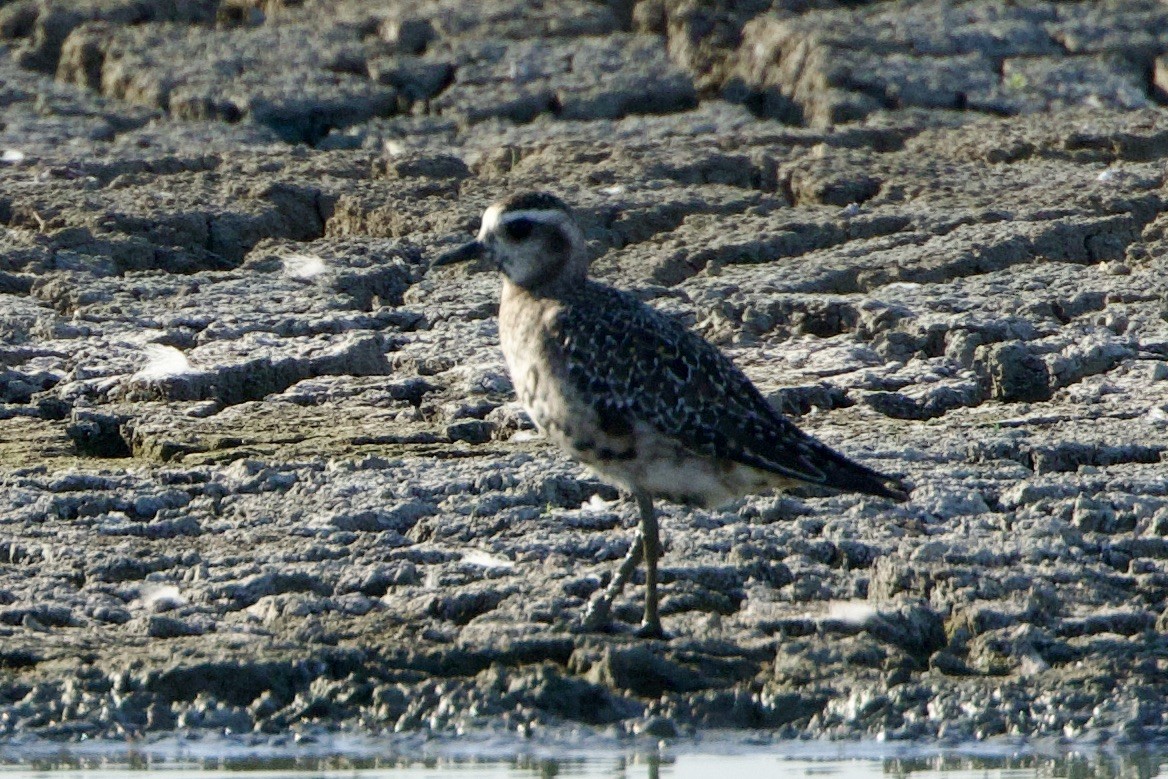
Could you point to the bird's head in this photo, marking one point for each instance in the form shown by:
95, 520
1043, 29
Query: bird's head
532, 238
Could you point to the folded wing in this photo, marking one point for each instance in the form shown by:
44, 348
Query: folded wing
633, 363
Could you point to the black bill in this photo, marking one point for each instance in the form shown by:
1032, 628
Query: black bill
463, 253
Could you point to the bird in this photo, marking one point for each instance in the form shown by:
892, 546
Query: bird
630, 392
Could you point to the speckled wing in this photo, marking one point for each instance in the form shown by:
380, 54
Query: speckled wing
633, 363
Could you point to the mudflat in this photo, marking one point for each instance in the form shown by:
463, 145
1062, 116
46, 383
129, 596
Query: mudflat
262, 470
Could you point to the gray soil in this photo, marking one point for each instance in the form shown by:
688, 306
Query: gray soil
262, 471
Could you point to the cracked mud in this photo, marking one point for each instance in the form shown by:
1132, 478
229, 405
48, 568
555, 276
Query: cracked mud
262, 470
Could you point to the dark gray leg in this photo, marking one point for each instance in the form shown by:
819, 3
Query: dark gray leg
600, 609
651, 625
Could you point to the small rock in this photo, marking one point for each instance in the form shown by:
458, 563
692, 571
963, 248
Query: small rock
1090, 515
158, 626
658, 727
1015, 373
473, 431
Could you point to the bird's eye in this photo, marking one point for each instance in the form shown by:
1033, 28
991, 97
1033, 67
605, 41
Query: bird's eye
518, 229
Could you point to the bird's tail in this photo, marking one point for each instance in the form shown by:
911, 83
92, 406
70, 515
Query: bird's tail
848, 475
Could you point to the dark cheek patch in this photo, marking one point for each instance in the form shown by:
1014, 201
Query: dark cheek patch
556, 242
518, 229
551, 242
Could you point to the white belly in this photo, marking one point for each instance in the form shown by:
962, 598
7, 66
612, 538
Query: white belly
663, 468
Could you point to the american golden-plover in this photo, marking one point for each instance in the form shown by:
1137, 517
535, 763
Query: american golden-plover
632, 393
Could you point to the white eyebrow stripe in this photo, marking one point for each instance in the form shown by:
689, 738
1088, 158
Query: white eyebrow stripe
545, 215
494, 216
490, 221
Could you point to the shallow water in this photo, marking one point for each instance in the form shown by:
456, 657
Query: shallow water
492, 757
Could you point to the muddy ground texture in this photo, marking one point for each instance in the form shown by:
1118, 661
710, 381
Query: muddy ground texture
262, 470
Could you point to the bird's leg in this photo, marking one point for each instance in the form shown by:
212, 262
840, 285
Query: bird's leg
651, 624
600, 608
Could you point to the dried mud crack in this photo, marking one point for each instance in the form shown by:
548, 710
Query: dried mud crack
261, 469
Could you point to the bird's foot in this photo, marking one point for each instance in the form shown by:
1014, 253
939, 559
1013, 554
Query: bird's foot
651, 630
597, 617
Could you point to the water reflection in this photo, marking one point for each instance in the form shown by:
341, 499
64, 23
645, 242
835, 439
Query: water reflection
775, 760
